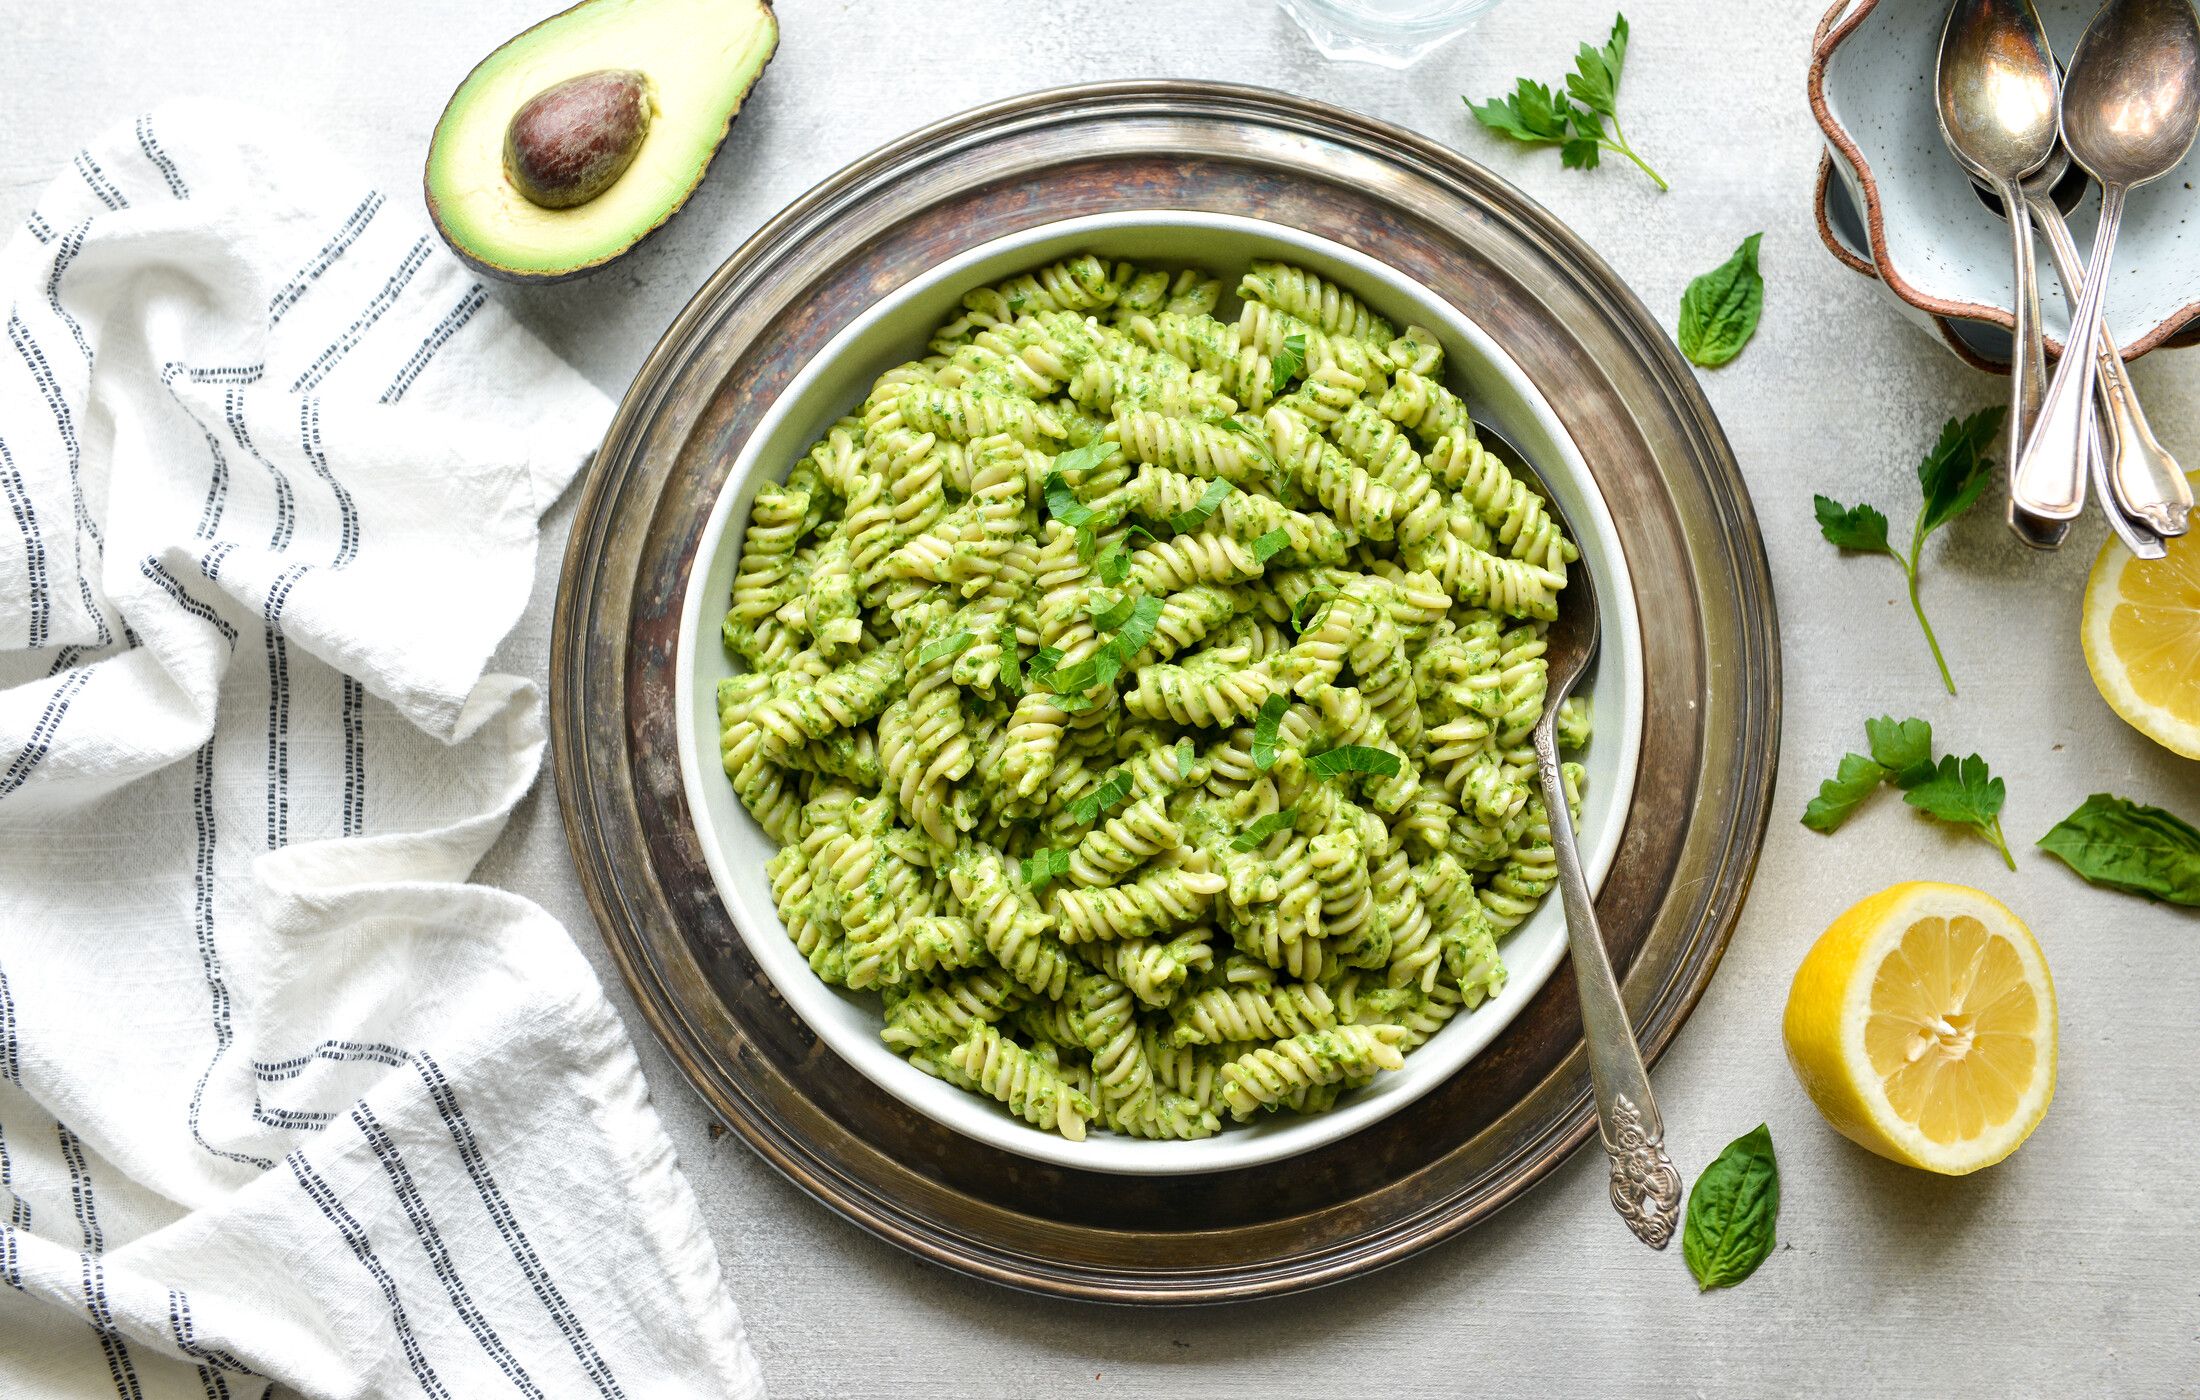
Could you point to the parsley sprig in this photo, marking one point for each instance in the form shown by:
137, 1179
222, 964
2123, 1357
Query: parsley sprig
1572, 118
1952, 477
1961, 792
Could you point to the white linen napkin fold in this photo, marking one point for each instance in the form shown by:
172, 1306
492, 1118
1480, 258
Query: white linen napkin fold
284, 1103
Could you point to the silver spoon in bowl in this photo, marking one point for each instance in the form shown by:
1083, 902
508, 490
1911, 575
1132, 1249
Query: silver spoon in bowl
1995, 92
2130, 110
1645, 1187
2131, 470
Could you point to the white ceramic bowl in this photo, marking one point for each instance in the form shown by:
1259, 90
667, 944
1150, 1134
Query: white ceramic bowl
1929, 241
895, 330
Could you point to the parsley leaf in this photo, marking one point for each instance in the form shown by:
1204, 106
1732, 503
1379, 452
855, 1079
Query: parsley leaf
1042, 664
1264, 731
1955, 473
1045, 864
1902, 756
1256, 835
1964, 794
2122, 845
1352, 758
1720, 309
1573, 118
1012, 671
1113, 789
1860, 527
1264, 548
1904, 748
945, 646
1114, 564
1951, 479
1840, 795
1187, 520
1290, 364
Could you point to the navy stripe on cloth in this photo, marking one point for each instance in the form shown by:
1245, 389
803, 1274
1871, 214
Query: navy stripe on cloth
325, 363
309, 436
319, 1192
278, 707
166, 582
34, 547
187, 1342
210, 964
507, 1224
347, 235
355, 756
94, 1273
452, 321
159, 158
63, 256
40, 229
286, 506
95, 177
40, 742
439, 1255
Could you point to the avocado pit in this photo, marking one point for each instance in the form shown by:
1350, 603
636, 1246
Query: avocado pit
574, 139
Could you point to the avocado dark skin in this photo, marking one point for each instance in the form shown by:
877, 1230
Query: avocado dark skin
573, 140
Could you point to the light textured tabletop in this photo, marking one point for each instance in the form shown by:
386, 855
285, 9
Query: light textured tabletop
2074, 1267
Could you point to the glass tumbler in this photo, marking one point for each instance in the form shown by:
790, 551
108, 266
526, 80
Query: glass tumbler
1392, 33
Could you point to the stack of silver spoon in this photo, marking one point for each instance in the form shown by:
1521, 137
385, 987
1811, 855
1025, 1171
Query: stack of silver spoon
2127, 113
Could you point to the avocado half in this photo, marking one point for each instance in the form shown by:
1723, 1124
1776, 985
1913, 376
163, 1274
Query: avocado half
681, 68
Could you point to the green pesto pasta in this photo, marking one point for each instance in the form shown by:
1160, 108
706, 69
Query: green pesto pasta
1139, 690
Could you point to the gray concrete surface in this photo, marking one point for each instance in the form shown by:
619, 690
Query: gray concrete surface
2072, 1268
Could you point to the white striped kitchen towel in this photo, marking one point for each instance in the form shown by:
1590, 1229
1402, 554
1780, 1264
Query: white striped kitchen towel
286, 1105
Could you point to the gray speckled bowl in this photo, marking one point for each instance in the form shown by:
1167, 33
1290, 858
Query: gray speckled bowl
1927, 238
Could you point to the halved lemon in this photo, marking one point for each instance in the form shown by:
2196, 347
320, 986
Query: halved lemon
2141, 636
1922, 1024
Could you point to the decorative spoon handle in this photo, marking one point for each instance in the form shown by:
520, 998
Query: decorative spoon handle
2048, 478
1646, 1190
2149, 483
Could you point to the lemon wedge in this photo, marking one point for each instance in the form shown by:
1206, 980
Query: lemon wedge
2141, 636
1922, 1024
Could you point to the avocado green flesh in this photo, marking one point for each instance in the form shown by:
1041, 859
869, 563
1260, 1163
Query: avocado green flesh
701, 58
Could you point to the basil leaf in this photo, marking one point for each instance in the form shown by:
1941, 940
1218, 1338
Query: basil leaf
1733, 1212
1114, 565
1352, 758
1095, 670
2121, 845
1264, 548
1114, 615
1264, 731
1185, 520
1860, 527
945, 646
1955, 473
1720, 309
1113, 789
1254, 836
1319, 590
1838, 796
1137, 630
1045, 864
1288, 365
1063, 505
1012, 670
1904, 749
1079, 459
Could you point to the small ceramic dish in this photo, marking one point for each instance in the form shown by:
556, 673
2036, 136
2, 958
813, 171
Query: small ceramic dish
1928, 238
894, 330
